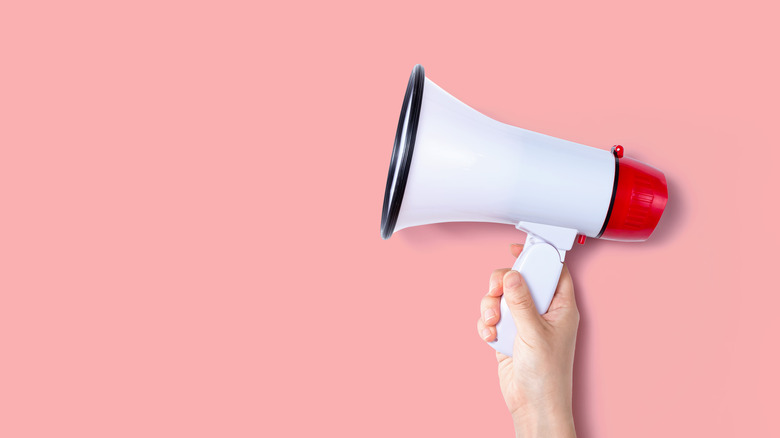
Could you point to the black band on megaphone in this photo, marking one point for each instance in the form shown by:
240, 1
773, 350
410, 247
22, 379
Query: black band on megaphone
612, 200
402, 150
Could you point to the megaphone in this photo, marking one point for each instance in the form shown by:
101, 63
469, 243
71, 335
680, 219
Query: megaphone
451, 163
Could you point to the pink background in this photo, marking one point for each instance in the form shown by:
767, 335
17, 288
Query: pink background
190, 195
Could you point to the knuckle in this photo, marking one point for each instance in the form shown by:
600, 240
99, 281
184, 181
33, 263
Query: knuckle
486, 302
522, 301
497, 273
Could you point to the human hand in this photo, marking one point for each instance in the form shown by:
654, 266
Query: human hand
537, 380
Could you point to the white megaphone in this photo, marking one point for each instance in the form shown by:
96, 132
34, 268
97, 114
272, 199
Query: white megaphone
452, 164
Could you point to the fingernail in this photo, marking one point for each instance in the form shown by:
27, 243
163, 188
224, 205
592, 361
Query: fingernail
485, 333
489, 314
512, 279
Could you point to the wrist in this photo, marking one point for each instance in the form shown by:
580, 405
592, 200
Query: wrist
551, 421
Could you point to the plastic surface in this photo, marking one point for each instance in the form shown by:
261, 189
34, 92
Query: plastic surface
540, 264
468, 167
639, 202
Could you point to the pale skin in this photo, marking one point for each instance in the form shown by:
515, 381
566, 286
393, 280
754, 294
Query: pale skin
537, 380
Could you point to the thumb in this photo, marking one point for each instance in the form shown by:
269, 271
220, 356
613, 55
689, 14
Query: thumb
521, 303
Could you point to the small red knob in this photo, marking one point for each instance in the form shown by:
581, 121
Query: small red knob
617, 150
581, 239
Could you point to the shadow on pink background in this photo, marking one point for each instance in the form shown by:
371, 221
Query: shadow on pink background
191, 196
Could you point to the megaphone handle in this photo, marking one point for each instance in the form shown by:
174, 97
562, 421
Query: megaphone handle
540, 264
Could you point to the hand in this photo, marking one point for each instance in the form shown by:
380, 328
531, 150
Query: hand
537, 380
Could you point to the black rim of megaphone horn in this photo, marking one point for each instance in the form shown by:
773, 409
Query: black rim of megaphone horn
403, 148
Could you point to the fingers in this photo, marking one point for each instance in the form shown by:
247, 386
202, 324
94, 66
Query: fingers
489, 309
520, 302
486, 332
512, 286
489, 306
496, 282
